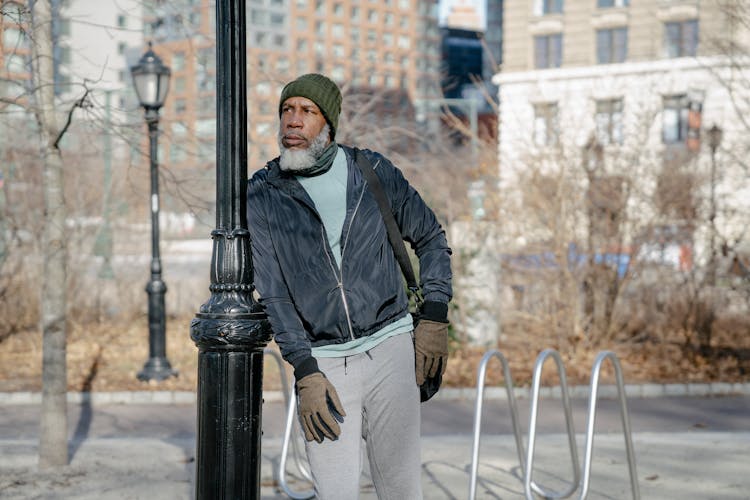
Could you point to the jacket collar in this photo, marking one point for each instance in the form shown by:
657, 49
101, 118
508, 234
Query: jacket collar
288, 183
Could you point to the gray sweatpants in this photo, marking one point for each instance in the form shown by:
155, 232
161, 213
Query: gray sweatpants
379, 394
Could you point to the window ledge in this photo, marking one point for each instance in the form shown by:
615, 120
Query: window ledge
546, 25
612, 18
682, 12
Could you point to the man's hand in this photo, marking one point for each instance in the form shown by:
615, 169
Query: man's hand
430, 348
316, 399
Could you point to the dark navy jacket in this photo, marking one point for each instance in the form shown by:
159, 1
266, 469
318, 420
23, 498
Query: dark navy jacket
309, 300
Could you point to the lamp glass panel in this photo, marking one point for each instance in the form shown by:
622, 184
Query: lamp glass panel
163, 88
146, 86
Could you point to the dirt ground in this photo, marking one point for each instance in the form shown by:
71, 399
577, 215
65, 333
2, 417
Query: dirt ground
108, 356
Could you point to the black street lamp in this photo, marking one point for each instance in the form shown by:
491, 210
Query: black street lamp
715, 134
230, 329
151, 81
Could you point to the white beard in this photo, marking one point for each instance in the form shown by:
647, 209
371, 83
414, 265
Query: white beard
293, 160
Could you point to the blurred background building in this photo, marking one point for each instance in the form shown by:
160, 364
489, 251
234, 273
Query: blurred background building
390, 47
632, 86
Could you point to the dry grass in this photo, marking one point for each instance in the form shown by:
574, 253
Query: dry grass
107, 357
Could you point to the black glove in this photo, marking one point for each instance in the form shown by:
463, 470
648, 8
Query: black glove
316, 400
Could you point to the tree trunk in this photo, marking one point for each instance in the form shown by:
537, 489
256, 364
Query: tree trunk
53, 442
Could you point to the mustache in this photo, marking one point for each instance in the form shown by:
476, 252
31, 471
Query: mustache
293, 135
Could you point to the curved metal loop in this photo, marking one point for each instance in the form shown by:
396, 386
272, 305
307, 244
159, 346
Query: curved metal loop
291, 422
529, 485
481, 378
595, 373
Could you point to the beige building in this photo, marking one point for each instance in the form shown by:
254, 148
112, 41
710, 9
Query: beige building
639, 82
15, 55
389, 47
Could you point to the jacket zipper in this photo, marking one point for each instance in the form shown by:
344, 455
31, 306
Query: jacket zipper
340, 275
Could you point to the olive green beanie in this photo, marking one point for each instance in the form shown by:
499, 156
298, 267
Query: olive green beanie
320, 90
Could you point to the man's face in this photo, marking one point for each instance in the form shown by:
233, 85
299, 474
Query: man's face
301, 122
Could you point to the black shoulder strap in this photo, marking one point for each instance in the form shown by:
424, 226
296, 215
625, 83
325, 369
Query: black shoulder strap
394, 234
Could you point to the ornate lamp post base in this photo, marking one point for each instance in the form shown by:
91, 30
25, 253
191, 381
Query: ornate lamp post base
157, 369
230, 383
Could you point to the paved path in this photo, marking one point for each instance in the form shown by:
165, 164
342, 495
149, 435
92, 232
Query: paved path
686, 448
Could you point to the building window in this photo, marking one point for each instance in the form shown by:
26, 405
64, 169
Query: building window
122, 21
205, 107
258, 17
65, 55
15, 63
681, 38
675, 119
282, 65
178, 61
177, 154
545, 124
609, 121
194, 19
64, 27
548, 51
179, 106
602, 4
121, 46
544, 7
179, 84
205, 127
14, 38
611, 45
277, 19
206, 57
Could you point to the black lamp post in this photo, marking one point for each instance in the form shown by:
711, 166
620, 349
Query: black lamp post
230, 330
715, 134
151, 80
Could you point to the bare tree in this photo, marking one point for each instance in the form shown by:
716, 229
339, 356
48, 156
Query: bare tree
53, 443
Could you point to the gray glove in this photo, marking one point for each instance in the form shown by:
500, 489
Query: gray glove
316, 400
430, 349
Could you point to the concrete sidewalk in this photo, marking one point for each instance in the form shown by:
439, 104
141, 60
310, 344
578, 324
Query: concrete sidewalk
693, 465
690, 447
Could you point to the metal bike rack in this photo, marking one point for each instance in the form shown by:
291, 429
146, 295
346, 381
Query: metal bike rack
527, 464
543, 356
595, 373
481, 378
291, 405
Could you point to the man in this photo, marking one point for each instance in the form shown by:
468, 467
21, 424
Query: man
334, 295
